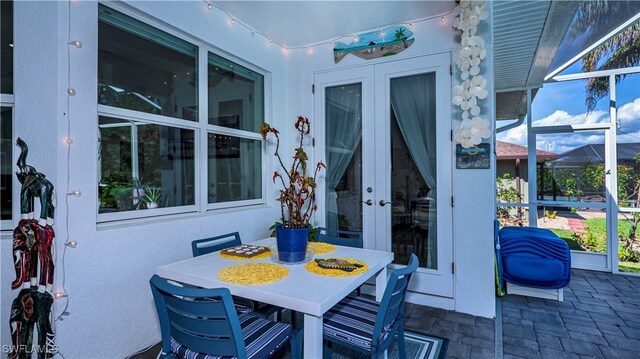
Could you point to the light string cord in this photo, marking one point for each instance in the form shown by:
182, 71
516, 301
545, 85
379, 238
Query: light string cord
211, 5
68, 141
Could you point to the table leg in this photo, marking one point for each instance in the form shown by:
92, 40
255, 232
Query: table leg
312, 336
381, 283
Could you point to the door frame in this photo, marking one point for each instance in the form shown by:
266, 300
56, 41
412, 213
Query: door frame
378, 221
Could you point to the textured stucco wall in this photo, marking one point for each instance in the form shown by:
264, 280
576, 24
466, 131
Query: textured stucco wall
112, 311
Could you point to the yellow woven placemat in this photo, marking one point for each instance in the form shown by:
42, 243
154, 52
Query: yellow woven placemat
322, 248
314, 268
238, 258
253, 273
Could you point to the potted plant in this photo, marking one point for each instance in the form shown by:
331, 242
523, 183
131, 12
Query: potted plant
297, 196
152, 196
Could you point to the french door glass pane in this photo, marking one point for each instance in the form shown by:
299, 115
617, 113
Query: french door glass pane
413, 169
235, 168
343, 113
628, 156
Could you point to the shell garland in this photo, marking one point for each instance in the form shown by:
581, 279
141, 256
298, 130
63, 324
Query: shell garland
468, 56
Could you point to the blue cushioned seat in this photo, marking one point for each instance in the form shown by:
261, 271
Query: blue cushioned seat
533, 257
262, 338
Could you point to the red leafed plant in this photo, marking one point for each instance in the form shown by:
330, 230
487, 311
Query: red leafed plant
297, 196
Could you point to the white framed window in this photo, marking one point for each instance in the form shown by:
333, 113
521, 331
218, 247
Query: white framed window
6, 117
178, 124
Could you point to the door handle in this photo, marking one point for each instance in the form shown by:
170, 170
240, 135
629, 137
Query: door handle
383, 202
368, 202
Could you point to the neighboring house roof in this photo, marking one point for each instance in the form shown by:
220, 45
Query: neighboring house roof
511, 151
595, 154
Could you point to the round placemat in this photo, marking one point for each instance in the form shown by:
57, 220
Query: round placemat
314, 268
253, 273
322, 248
238, 258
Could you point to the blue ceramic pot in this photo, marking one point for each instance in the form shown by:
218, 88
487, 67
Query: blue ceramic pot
292, 243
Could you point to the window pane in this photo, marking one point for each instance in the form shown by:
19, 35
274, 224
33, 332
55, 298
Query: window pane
144, 69
628, 156
572, 103
6, 174
145, 166
584, 229
236, 95
235, 168
574, 176
6, 46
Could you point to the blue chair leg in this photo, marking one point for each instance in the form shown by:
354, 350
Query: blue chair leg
296, 345
401, 344
327, 353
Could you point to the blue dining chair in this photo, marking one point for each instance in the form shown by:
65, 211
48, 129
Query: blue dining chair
198, 323
217, 243
367, 326
214, 244
340, 238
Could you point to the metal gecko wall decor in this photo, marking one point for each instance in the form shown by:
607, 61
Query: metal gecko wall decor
32, 244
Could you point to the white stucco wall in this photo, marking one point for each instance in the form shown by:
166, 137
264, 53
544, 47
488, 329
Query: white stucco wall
112, 311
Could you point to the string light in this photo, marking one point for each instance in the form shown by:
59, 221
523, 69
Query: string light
75, 193
75, 43
309, 50
253, 32
58, 295
71, 91
68, 141
71, 244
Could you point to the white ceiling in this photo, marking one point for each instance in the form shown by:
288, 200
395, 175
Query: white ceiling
300, 23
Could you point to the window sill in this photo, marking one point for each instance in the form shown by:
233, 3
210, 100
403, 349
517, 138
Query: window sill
124, 223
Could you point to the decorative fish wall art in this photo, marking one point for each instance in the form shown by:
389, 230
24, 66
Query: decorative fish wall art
372, 45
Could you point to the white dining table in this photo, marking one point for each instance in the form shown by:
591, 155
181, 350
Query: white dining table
301, 291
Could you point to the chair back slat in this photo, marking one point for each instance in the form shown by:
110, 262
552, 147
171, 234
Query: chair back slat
340, 238
214, 244
203, 320
392, 303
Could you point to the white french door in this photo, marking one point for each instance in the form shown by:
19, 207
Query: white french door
383, 131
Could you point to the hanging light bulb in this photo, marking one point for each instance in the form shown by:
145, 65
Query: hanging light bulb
355, 38
75, 193
443, 19
71, 244
210, 6
309, 50
75, 43
71, 91
331, 44
271, 43
68, 141
410, 26
58, 295
233, 21
253, 34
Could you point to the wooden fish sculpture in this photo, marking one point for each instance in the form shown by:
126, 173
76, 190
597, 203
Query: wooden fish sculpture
337, 263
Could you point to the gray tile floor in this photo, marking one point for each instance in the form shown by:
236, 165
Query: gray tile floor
599, 318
